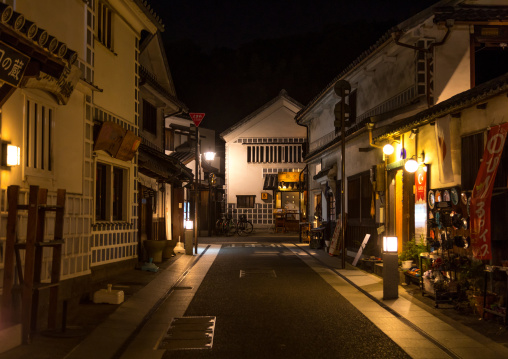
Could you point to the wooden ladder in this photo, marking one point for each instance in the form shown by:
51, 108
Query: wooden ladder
30, 278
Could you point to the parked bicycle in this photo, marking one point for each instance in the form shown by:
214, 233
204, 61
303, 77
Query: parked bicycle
222, 224
228, 226
244, 226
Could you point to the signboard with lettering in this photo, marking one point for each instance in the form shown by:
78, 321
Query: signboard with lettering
289, 176
421, 185
421, 201
62, 87
197, 118
482, 192
12, 65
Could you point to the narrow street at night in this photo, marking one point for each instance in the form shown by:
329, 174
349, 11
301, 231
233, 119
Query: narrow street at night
269, 304
253, 179
269, 297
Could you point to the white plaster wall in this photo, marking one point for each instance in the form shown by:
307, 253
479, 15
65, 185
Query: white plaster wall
474, 120
452, 65
68, 140
115, 72
322, 124
244, 178
386, 79
70, 136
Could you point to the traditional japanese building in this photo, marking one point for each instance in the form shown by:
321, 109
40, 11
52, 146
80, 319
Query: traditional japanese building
264, 160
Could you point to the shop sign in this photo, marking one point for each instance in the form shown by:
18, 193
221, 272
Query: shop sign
61, 87
420, 214
289, 177
117, 141
482, 192
12, 65
421, 185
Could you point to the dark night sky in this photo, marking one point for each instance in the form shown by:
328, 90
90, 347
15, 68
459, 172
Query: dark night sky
229, 58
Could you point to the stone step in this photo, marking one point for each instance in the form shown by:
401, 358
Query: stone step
10, 337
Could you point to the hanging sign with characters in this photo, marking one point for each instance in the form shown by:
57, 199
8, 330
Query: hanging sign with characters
12, 65
482, 192
421, 185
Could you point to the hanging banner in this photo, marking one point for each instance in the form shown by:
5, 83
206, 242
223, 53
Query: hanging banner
444, 149
482, 192
421, 185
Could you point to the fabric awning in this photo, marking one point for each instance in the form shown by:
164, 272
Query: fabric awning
271, 182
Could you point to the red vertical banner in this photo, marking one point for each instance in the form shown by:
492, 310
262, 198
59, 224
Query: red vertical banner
482, 192
421, 185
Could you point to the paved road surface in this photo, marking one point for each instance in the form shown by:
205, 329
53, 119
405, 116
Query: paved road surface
269, 304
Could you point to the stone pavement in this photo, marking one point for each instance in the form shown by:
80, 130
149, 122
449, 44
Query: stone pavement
112, 330
421, 330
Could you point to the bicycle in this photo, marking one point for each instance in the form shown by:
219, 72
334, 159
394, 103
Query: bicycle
244, 226
221, 225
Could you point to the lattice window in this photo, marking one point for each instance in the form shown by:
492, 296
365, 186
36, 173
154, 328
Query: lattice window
104, 25
39, 124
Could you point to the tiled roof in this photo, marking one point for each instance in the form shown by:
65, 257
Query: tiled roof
454, 104
471, 13
148, 10
282, 94
163, 166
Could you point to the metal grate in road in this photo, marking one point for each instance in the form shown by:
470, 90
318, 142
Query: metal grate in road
257, 273
189, 333
251, 245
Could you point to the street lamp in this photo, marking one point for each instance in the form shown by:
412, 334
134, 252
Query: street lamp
390, 268
189, 226
209, 157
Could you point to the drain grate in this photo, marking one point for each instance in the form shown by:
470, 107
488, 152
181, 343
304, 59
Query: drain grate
257, 273
251, 245
189, 333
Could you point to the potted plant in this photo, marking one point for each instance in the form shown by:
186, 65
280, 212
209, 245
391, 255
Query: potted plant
411, 252
472, 277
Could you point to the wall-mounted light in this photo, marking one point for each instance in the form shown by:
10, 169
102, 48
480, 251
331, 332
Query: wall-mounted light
388, 149
390, 244
11, 155
413, 163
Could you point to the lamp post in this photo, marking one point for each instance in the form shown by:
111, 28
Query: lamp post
189, 226
196, 191
209, 157
390, 268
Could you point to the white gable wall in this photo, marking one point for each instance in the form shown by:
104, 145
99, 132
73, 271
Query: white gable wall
273, 126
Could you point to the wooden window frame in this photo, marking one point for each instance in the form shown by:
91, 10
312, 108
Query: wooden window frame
245, 201
111, 192
149, 117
